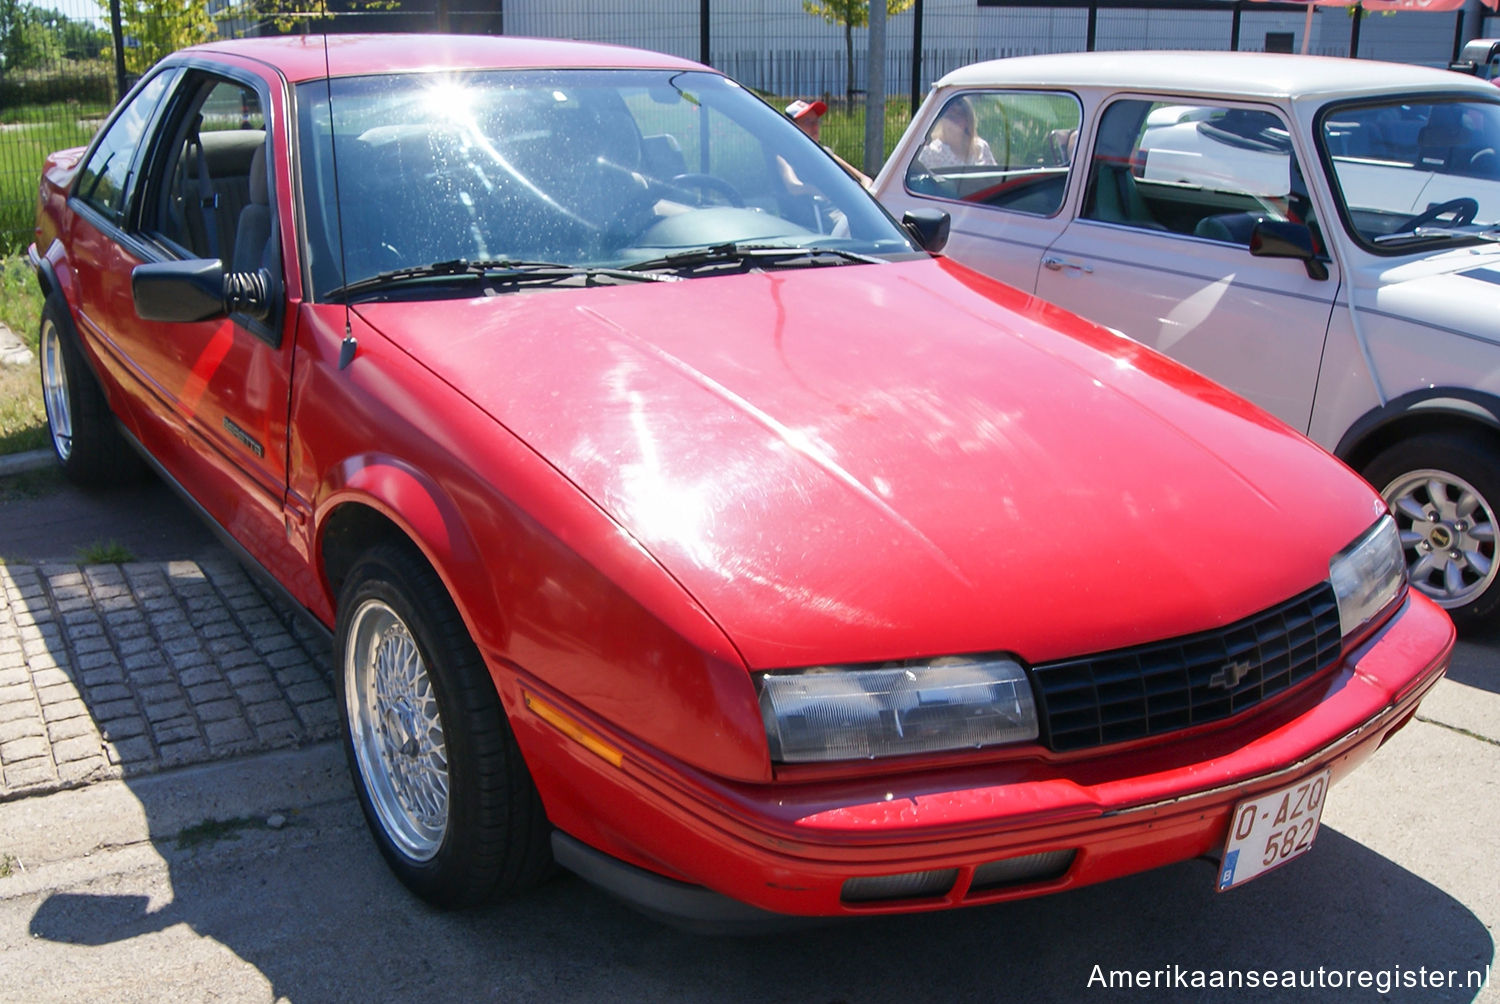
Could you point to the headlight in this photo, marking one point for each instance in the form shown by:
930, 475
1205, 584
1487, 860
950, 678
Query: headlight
845, 713
1368, 574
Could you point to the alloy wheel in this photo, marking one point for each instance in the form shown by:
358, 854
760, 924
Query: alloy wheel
396, 730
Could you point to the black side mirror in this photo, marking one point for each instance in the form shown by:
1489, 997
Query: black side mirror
929, 227
198, 290
1284, 239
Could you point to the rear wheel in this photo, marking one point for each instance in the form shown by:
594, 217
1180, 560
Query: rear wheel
81, 429
1444, 490
440, 779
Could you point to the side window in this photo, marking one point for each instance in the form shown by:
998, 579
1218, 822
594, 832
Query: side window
1204, 170
104, 182
1010, 150
213, 199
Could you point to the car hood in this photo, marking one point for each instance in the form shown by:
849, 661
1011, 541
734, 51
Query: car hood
1458, 290
898, 460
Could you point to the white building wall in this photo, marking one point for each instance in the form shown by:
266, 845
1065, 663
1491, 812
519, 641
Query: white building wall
775, 45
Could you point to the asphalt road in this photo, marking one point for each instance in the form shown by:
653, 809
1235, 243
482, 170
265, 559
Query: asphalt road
117, 891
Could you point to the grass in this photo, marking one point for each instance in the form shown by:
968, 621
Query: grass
106, 552
8, 865
23, 423
27, 136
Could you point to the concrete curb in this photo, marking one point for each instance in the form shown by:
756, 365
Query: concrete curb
32, 460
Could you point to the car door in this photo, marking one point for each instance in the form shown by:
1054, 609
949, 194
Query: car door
997, 161
208, 399
1159, 248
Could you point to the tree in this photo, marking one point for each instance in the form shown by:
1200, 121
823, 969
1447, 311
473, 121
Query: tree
851, 14
288, 16
25, 42
157, 28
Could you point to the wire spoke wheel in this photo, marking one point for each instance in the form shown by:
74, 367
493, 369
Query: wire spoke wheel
55, 390
397, 730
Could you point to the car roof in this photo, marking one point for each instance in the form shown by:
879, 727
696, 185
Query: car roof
301, 57
1245, 74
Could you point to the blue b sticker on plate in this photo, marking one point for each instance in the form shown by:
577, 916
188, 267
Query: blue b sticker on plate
1226, 877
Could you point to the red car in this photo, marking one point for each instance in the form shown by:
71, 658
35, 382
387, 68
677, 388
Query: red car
679, 518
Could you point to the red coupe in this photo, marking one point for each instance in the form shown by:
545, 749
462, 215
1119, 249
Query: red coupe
679, 518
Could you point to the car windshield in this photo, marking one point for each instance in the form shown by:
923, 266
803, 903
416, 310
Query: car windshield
595, 171
1416, 174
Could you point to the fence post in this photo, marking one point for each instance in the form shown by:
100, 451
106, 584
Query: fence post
916, 57
1234, 28
704, 33
1356, 15
117, 35
875, 91
1093, 26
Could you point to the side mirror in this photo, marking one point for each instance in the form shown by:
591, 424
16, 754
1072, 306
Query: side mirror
1465, 66
929, 227
198, 290
1284, 239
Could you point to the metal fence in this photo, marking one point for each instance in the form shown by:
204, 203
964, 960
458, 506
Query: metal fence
61, 65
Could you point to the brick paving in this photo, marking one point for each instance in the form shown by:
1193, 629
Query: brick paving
116, 670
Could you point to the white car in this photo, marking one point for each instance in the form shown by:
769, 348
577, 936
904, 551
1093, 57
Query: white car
1320, 235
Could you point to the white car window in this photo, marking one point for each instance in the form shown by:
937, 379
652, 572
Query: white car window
1412, 174
1008, 150
1203, 170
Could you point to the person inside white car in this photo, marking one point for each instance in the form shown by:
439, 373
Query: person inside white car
954, 140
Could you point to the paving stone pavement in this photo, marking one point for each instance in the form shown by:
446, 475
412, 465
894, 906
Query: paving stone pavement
110, 671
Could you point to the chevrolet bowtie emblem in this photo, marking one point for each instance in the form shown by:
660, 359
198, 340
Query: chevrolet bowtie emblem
1230, 675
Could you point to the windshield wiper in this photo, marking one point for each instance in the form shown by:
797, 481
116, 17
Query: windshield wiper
505, 271
733, 253
1488, 232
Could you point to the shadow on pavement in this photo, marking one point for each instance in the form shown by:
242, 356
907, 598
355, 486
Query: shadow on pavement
330, 923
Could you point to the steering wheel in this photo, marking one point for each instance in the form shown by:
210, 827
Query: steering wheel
709, 183
1464, 209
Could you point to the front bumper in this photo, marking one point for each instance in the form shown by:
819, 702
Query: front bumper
686, 846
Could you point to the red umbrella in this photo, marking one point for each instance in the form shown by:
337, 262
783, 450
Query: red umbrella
1433, 6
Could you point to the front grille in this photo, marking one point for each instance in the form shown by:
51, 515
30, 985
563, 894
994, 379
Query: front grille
1165, 686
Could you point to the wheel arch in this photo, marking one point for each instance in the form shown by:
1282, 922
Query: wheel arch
376, 499
1431, 410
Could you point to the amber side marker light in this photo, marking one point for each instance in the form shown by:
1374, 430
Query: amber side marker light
573, 730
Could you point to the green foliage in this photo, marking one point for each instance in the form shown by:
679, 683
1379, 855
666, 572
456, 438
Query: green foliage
90, 81
851, 13
35, 37
293, 16
25, 42
105, 552
161, 27
23, 422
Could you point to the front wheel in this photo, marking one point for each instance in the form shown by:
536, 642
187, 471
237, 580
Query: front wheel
1444, 491
440, 779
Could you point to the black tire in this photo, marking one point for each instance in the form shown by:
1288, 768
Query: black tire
1454, 476
80, 427
490, 835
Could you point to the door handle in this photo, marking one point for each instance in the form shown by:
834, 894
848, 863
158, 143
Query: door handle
1057, 264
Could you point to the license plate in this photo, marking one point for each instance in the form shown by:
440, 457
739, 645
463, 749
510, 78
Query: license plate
1271, 829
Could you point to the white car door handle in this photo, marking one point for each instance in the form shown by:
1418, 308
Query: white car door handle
1057, 264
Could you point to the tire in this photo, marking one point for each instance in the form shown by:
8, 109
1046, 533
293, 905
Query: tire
1444, 490
82, 430
439, 776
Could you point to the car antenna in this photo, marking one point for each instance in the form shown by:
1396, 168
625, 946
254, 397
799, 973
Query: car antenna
350, 344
